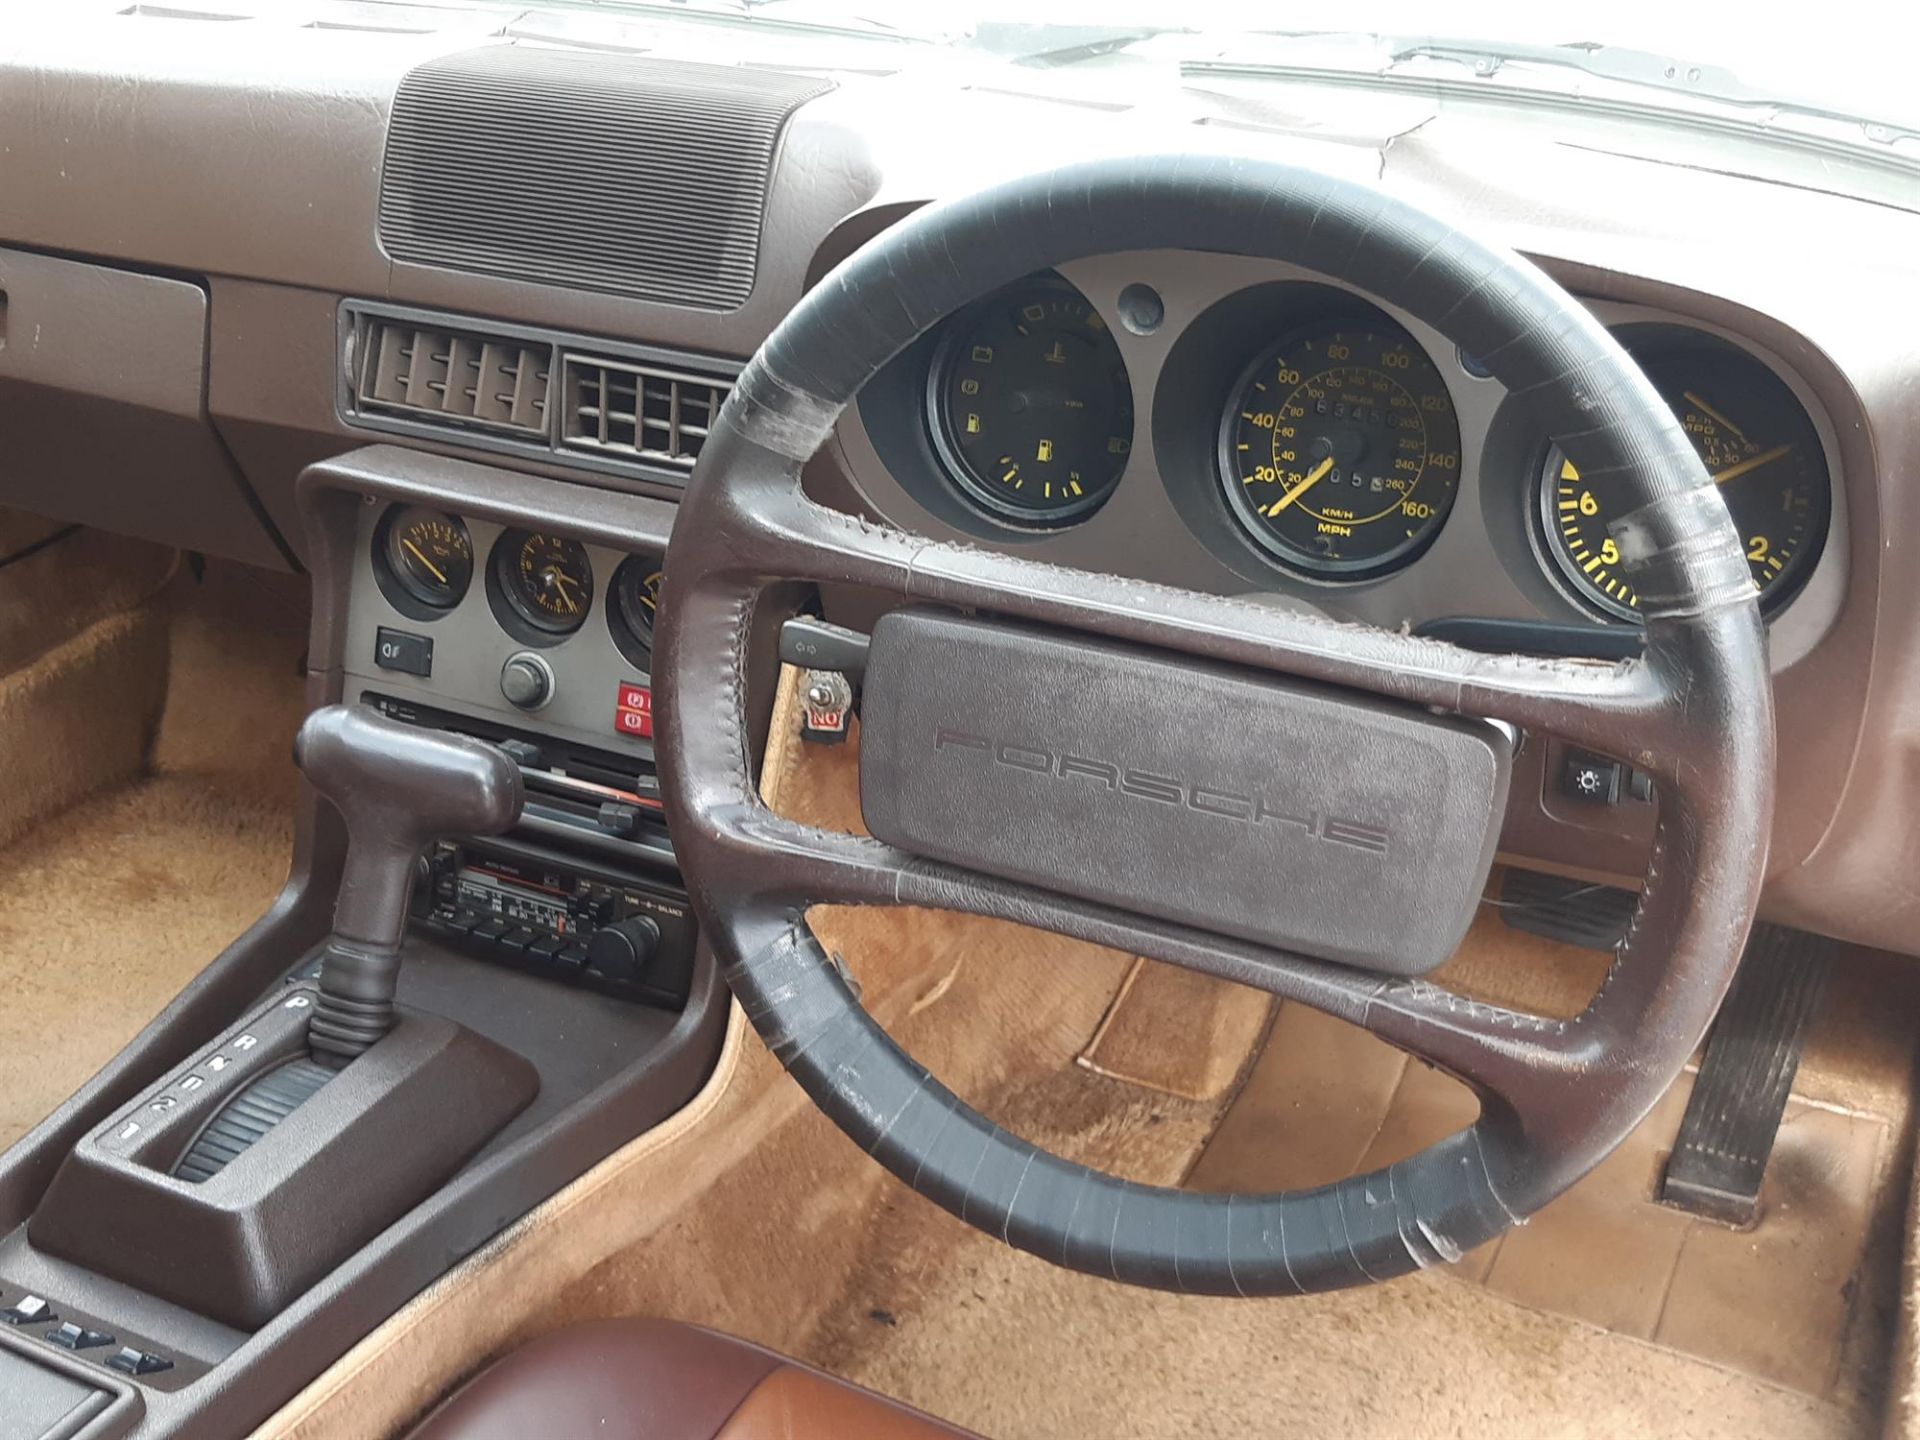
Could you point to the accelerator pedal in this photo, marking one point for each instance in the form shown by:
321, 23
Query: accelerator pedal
1741, 1091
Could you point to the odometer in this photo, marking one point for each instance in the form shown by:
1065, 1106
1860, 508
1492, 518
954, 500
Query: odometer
1340, 454
1757, 443
1029, 404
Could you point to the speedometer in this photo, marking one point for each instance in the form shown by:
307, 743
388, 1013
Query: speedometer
1340, 454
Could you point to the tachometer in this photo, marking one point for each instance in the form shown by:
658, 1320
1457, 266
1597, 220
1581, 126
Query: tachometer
1029, 404
1340, 454
1756, 441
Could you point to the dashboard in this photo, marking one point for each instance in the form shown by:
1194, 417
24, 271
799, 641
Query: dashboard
1201, 420
1229, 425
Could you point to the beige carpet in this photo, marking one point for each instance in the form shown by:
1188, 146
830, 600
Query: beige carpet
938, 1315
108, 908
965, 1328
83, 663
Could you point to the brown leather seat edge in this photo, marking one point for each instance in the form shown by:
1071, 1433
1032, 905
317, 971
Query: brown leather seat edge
658, 1380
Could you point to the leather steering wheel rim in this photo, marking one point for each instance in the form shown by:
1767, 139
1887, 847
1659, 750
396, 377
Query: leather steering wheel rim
1695, 711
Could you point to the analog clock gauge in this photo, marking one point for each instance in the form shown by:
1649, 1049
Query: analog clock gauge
547, 579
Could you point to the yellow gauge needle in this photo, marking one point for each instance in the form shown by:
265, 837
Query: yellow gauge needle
1711, 413
1734, 472
557, 581
414, 550
1314, 477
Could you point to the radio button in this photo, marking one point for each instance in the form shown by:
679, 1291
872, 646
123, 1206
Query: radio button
572, 960
618, 818
525, 754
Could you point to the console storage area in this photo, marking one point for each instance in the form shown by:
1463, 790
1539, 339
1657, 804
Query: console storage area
51, 1399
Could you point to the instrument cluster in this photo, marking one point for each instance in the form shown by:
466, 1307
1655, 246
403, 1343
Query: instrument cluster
1309, 436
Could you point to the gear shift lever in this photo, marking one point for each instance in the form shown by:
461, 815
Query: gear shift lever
397, 787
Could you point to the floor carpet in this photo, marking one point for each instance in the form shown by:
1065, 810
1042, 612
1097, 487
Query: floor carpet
109, 907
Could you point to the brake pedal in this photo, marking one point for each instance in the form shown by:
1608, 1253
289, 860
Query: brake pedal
1594, 917
1753, 1051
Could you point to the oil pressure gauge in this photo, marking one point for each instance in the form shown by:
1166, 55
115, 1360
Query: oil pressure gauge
423, 560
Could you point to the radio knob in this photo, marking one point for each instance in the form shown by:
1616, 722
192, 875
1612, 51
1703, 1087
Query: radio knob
621, 951
526, 681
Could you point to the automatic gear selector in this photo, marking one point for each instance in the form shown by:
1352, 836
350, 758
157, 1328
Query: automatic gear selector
397, 787
266, 1156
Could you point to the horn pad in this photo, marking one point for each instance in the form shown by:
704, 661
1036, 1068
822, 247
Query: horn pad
1290, 815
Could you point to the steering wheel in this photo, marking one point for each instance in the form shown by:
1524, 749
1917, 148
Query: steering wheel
1695, 711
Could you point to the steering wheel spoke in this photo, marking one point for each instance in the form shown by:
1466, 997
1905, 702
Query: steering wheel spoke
1593, 704
1499, 1051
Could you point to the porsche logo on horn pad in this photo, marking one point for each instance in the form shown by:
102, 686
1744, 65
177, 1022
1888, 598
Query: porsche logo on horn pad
1247, 808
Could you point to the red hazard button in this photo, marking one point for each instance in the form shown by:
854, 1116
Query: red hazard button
633, 715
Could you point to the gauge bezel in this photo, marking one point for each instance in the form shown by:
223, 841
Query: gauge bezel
511, 608
1560, 563
974, 490
1275, 550
631, 636
396, 585
1657, 347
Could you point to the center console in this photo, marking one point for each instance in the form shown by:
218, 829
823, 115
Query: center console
456, 1006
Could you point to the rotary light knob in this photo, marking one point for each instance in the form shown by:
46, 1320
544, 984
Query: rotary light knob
527, 681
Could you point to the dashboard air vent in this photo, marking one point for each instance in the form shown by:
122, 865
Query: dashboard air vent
465, 378
652, 413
